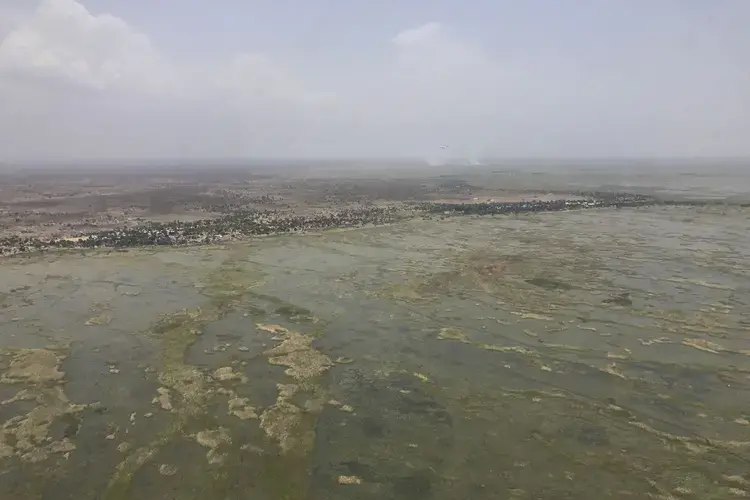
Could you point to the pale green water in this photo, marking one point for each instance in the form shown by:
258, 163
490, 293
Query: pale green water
468, 358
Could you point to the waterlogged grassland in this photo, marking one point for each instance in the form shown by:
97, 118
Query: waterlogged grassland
599, 354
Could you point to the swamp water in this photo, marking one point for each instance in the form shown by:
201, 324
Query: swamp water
582, 355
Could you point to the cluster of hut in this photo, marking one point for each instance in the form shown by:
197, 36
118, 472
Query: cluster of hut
583, 200
246, 223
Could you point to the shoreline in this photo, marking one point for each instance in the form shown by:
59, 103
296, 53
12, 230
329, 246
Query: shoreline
252, 223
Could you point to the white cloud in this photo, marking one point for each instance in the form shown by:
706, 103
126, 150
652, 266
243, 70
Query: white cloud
419, 35
78, 84
12, 13
62, 40
256, 78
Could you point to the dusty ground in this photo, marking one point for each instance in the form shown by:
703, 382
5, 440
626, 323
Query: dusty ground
65, 203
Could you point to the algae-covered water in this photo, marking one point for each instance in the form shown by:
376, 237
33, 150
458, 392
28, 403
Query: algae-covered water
582, 355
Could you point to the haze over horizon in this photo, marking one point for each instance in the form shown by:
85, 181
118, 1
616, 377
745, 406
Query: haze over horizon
124, 80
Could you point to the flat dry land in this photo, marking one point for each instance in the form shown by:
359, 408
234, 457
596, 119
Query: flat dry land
62, 204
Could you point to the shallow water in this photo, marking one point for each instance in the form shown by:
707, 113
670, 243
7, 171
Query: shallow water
596, 354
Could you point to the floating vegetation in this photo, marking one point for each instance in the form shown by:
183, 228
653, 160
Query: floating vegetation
163, 399
187, 391
213, 440
612, 370
241, 408
271, 328
227, 373
453, 333
703, 345
512, 349
28, 435
529, 315
36, 366
100, 320
167, 469
621, 299
349, 480
658, 340
614, 355
288, 424
296, 353
343, 407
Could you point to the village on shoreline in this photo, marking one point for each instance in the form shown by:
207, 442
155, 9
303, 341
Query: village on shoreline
247, 223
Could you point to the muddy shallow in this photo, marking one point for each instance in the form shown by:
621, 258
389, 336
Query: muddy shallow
586, 355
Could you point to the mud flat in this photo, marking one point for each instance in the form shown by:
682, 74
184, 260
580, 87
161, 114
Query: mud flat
584, 354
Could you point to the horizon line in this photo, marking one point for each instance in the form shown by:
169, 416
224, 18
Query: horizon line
453, 161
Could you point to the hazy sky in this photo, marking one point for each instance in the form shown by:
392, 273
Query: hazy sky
295, 78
